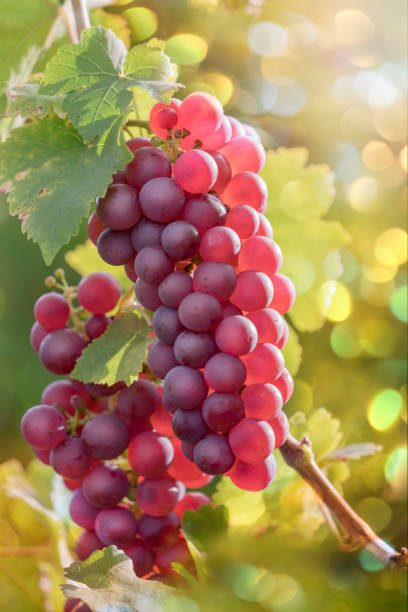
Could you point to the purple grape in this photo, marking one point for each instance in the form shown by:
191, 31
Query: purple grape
96, 325
222, 411
138, 401
141, 555
115, 247
213, 455
105, 436
224, 373
188, 425
200, 312
161, 359
162, 200
194, 349
60, 349
119, 208
146, 233
175, 287
43, 427
159, 531
116, 526
71, 458
150, 454
38, 332
86, 544
215, 278
148, 163
152, 265
82, 512
105, 486
204, 211
147, 295
157, 496
185, 387
180, 240
166, 324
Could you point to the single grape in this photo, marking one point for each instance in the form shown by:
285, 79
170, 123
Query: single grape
253, 291
43, 427
141, 555
119, 208
269, 324
147, 294
224, 373
195, 171
159, 531
245, 188
150, 454
244, 220
115, 247
175, 287
220, 244
253, 476
251, 440
51, 310
38, 333
222, 411
99, 292
185, 387
152, 265
224, 171
199, 312
264, 365
137, 143
138, 401
265, 228
236, 126
244, 154
82, 512
215, 278
116, 526
166, 324
71, 458
236, 335
200, 113
105, 486
148, 163
60, 393
105, 436
157, 496
191, 501
261, 254
284, 293
60, 349
262, 401
176, 553
161, 359
86, 544
161, 122
188, 425
146, 233
285, 385
280, 426
96, 325
194, 349
162, 200
204, 211
180, 240
219, 138
213, 455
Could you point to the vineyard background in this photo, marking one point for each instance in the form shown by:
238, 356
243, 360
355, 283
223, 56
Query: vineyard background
327, 82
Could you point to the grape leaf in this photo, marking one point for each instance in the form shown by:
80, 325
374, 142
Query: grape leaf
96, 75
110, 584
25, 100
51, 177
84, 259
299, 196
195, 525
321, 428
118, 354
24, 25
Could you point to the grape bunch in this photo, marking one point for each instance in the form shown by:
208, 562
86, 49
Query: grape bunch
186, 219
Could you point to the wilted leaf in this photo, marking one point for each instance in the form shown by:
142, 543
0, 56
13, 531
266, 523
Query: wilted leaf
355, 451
25, 100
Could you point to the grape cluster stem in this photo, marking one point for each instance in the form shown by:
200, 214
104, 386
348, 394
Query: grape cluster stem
351, 530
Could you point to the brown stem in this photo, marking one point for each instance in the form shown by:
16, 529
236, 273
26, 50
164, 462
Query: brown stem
81, 16
355, 533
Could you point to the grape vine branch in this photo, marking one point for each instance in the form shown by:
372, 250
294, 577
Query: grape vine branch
355, 532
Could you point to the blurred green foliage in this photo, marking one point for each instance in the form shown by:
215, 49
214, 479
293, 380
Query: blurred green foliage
330, 79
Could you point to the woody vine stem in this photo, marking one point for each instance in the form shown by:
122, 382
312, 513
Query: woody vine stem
350, 529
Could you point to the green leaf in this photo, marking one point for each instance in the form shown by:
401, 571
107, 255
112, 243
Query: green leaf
96, 75
84, 259
299, 196
110, 584
52, 177
205, 525
25, 100
24, 25
118, 354
321, 428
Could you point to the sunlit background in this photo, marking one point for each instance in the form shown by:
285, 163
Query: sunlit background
330, 77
